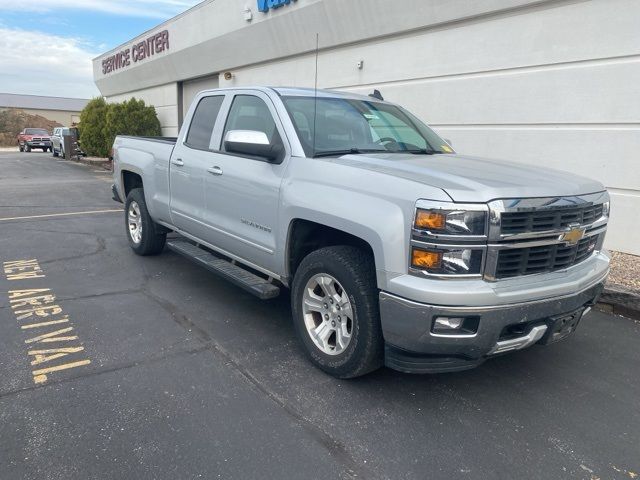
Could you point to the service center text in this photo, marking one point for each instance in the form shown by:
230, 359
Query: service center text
148, 47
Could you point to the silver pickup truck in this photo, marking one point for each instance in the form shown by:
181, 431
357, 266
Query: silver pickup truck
396, 250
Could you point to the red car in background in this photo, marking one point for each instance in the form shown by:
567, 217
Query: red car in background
34, 138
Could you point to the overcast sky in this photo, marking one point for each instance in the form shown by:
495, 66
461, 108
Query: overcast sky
46, 46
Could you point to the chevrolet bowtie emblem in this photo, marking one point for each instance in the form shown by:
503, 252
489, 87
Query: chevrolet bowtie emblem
573, 236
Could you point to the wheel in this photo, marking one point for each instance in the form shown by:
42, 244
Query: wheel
334, 301
62, 152
54, 152
44, 150
145, 236
27, 148
20, 147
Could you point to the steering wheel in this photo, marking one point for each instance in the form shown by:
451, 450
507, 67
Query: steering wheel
385, 141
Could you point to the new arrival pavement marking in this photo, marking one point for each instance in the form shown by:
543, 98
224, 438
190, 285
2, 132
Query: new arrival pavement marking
37, 304
67, 214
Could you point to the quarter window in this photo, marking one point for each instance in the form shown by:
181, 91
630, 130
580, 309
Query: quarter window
204, 119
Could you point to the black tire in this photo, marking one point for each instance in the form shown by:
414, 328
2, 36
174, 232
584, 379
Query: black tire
54, 152
20, 147
153, 236
44, 150
27, 148
354, 270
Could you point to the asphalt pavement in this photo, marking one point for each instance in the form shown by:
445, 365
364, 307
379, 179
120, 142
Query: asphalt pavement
152, 368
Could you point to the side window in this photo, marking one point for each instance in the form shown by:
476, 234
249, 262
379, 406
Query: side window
204, 119
251, 113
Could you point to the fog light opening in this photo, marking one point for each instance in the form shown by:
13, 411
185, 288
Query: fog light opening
455, 325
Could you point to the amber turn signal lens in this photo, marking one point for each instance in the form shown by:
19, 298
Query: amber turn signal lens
426, 259
429, 220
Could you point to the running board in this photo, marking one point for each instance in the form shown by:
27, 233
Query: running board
250, 282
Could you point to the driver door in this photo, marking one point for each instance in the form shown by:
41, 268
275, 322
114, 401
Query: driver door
242, 193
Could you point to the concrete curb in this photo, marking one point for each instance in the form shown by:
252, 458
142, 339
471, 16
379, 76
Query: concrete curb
103, 163
620, 301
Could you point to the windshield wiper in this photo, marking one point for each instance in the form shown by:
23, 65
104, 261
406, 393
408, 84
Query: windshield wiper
424, 151
354, 150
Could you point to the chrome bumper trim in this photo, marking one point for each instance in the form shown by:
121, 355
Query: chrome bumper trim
519, 343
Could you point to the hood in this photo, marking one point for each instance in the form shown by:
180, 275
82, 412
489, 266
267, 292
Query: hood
473, 179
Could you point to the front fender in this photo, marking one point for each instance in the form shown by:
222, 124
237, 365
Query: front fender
374, 207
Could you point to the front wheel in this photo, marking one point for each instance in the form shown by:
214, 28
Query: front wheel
145, 236
335, 311
27, 148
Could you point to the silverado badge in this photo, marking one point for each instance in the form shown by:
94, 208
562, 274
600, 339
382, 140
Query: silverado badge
574, 235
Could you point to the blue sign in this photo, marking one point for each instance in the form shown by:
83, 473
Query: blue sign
265, 5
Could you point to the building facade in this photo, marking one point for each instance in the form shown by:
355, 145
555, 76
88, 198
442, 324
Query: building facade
555, 83
65, 111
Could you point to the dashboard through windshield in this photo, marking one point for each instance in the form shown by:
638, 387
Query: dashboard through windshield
328, 126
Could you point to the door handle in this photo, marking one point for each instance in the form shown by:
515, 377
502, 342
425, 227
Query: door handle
178, 162
215, 170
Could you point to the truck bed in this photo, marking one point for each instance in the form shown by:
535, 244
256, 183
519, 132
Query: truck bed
171, 140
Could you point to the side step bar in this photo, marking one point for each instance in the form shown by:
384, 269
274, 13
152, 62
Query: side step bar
250, 282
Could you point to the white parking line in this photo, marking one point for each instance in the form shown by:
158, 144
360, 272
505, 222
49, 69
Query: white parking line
60, 214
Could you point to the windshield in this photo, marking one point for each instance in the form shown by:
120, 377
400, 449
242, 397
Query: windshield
359, 126
35, 131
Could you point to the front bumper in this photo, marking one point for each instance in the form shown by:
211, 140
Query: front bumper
412, 347
39, 144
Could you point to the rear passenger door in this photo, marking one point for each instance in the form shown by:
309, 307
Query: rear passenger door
188, 165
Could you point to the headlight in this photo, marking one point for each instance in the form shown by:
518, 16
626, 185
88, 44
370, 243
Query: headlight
447, 261
451, 222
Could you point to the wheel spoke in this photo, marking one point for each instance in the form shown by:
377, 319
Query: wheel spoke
328, 286
342, 336
313, 302
322, 333
346, 310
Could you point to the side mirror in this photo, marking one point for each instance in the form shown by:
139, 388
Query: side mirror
252, 143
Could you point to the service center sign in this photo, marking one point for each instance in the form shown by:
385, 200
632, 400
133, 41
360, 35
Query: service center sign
265, 5
153, 45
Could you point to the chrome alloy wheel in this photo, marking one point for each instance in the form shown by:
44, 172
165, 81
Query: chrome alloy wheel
328, 315
134, 220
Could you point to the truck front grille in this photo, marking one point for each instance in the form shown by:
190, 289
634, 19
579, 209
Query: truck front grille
549, 220
541, 259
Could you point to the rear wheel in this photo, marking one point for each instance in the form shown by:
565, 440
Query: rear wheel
335, 311
145, 236
20, 147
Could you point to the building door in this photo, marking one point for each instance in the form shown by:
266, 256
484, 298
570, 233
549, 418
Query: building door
191, 88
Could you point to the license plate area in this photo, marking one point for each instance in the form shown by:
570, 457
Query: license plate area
561, 326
